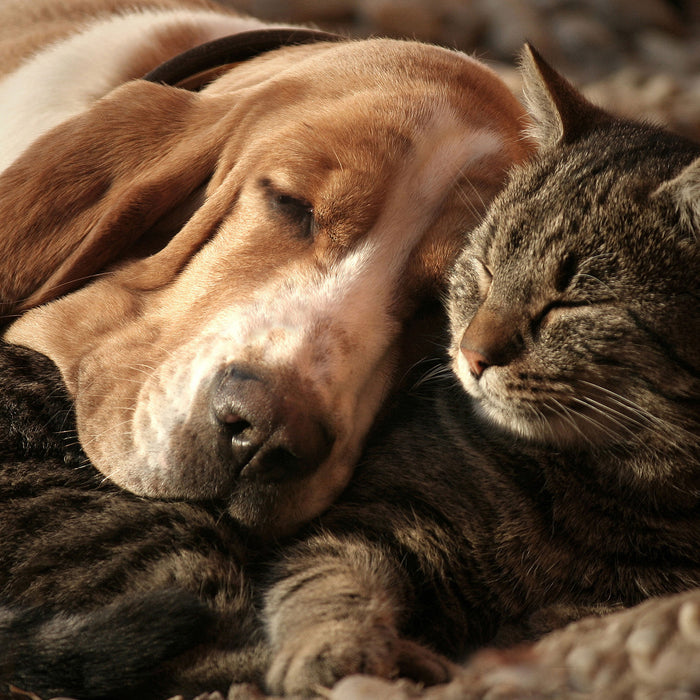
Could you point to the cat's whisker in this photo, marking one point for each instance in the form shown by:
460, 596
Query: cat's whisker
544, 423
443, 371
606, 428
642, 413
604, 285
634, 417
635, 436
73, 443
606, 413
418, 363
220, 517
566, 414
85, 464
602, 256
466, 200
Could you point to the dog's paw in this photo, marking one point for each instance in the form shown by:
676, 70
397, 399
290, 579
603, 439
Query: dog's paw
321, 656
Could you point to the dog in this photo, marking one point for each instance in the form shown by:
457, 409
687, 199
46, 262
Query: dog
225, 233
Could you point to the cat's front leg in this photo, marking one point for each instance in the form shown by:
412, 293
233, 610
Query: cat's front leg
336, 610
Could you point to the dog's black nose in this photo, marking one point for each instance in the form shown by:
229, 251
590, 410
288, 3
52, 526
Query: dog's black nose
270, 427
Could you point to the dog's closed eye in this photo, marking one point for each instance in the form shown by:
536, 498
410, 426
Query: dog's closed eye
295, 210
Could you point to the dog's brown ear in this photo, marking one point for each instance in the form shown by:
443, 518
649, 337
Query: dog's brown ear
85, 193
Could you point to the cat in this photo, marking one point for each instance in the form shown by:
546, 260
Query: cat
564, 481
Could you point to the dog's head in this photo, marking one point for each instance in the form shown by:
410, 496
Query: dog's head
274, 235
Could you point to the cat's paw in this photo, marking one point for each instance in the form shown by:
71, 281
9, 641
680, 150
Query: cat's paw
321, 656
420, 664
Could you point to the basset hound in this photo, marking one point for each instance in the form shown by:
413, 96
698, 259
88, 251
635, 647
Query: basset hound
221, 231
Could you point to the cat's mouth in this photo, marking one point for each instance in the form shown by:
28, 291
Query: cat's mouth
569, 413
552, 420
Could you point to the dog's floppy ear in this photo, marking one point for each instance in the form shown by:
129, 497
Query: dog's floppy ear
83, 194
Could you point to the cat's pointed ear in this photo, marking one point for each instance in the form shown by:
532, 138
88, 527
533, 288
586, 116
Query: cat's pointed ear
560, 113
685, 190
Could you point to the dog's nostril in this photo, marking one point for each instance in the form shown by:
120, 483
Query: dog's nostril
235, 424
268, 432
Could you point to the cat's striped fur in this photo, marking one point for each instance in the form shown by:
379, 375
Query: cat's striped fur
100, 588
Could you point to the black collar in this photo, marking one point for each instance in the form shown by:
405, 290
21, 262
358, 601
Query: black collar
196, 67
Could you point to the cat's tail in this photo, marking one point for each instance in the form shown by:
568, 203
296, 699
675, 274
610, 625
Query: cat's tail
110, 652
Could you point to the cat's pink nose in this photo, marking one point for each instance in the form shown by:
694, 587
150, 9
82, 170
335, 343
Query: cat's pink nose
475, 360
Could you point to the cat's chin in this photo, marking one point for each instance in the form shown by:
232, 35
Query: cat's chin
524, 424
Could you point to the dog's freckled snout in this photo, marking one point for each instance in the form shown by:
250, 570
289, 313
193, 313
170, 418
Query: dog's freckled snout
269, 432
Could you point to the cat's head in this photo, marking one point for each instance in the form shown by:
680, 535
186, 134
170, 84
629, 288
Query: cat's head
575, 307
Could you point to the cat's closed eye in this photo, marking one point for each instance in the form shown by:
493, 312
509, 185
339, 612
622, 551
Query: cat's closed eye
484, 276
566, 273
551, 313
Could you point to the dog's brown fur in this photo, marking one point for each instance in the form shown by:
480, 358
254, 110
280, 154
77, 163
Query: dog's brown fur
266, 243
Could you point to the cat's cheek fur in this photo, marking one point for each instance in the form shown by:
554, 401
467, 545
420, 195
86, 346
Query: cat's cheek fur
464, 298
546, 393
461, 369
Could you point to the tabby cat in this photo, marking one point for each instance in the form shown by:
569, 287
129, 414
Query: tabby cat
567, 480
564, 481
